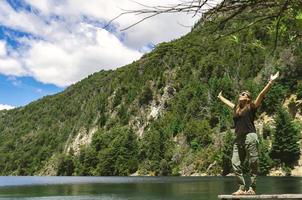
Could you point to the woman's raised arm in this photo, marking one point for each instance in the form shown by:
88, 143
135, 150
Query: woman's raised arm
226, 101
265, 89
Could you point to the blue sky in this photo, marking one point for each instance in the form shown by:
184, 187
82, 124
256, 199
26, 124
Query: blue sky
46, 45
18, 91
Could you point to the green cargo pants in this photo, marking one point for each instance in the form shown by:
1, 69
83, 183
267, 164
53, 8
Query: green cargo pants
246, 150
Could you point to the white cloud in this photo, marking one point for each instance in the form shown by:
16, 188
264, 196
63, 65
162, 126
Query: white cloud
11, 66
6, 107
66, 63
157, 29
39, 90
2, 48
23, 21
14, 81
67, 47
8, 64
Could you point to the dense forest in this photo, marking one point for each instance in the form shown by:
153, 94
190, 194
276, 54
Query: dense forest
160, 115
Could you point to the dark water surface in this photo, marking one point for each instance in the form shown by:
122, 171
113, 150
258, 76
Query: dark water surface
135, 188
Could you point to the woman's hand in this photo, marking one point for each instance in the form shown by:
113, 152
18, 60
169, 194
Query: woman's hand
220, 94
226, 101
273, 77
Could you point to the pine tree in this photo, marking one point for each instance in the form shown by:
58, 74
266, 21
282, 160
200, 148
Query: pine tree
227, 150
285, 145
265, 161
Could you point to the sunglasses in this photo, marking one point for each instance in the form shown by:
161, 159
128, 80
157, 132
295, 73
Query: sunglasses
244, 94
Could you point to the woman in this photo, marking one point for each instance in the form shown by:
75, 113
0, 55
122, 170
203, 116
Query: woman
246, 140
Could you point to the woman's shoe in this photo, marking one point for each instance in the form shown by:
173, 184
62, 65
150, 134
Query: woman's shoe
250, 191
239, 192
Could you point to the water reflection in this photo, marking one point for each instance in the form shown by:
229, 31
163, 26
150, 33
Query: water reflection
137, 188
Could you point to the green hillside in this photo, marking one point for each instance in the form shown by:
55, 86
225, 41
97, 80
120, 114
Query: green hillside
160, 115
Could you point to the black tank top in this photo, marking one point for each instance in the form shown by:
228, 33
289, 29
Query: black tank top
244, 124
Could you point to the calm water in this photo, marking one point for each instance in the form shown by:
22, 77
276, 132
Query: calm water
134, 188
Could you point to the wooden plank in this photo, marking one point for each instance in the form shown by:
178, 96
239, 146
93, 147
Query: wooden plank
262, 196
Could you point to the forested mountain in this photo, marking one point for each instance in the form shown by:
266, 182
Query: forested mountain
160, 115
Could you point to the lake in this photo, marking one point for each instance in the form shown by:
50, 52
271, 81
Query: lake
135, 188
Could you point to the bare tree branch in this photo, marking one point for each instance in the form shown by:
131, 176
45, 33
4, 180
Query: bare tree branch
140, 21
219, 14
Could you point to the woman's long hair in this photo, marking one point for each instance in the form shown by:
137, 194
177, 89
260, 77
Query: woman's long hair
239, 111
